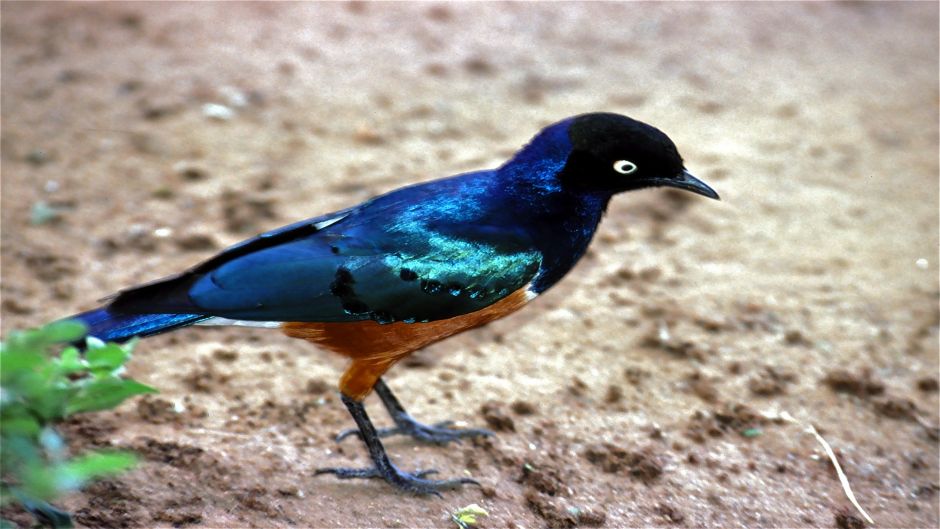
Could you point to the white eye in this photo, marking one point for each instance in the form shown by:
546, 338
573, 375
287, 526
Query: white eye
624, 166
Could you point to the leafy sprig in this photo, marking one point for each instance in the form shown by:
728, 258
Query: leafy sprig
38, 389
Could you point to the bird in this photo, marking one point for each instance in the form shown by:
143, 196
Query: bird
378, 281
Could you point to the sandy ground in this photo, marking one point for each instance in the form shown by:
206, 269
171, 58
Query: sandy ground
639, 392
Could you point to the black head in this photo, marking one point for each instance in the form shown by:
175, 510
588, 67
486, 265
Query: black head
613, 153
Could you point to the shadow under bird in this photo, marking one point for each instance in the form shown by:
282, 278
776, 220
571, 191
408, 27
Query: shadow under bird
380, 280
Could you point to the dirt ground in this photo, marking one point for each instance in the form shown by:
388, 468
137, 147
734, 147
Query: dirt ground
644, 390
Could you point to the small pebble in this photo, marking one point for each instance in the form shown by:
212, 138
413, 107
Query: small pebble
217, 112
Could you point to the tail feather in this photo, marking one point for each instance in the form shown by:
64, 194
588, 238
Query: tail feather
111, 327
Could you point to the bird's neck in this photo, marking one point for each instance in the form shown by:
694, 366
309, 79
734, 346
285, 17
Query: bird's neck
562, 233
561, 222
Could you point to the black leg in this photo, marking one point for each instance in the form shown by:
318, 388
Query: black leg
439, 433
414, 483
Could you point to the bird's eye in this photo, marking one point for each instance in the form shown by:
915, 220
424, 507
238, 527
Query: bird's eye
624, 166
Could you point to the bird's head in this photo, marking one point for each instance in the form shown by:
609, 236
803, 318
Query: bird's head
610, 153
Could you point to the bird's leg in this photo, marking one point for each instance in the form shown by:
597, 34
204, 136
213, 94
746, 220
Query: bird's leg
409, 482
405, 424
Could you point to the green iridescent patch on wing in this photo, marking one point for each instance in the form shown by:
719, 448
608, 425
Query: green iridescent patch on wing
466, 268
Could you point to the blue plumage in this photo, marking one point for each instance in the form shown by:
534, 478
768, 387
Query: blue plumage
102, 324
421, 253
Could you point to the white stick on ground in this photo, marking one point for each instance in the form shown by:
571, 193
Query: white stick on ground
809, 428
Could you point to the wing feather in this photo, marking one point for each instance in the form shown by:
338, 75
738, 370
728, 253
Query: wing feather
423, 253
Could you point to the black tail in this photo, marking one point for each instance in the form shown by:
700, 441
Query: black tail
111, 327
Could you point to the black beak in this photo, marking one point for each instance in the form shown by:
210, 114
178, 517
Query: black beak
686, 180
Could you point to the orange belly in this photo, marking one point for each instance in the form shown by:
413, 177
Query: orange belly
374, 347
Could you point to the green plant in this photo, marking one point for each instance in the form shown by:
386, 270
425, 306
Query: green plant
466, 517
38, 389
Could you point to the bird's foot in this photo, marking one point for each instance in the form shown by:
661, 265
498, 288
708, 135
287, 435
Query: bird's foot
439, 433
414, 483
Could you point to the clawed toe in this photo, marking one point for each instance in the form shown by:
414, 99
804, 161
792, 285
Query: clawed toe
439, 433
346, 433
414, 483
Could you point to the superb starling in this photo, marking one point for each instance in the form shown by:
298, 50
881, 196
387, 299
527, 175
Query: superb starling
377, 281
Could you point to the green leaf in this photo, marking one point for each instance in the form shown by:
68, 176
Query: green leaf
30, 384
38, 481
20, 342
70, 361
49, 404
75, 473
46, 482
104, 393
14, 362
25, 425
110, 357
467, 516
63, 331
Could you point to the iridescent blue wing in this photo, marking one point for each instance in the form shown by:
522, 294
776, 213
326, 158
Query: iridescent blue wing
407, 256
332, 276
